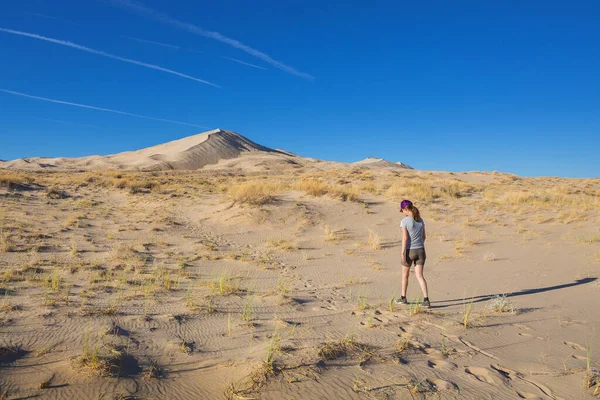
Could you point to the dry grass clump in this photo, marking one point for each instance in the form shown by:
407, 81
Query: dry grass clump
56, 194
75, 221
253, 193
153, 371
312, 187
6, 243
12, 180
137, 186
344, 193
282, 244
260, 375
318, 188
428, 190
546, 195
224, 284
374, 240
588, 239
333, 235
125, 255
592, 381
501, 304
106, 360
335, 349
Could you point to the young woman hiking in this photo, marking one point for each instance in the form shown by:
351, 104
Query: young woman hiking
413, 249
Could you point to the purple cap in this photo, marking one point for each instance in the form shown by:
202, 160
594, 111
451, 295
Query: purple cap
405, 203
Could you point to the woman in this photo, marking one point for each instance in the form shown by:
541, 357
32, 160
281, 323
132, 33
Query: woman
413, 249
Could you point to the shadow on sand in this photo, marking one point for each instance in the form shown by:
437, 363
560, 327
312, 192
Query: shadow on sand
486, 297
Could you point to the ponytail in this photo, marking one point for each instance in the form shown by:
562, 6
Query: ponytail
415, 213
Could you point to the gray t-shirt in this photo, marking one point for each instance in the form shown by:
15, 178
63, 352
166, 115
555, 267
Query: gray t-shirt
415, 232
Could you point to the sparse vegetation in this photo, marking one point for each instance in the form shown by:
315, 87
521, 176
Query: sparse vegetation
282, 244
6, 244
489, 256
468, 309
501, 304
374, 241
415, 307
253, 193
230, 251
13, 180
340, 348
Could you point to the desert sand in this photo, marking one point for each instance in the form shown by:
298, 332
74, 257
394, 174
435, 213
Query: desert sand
266, 275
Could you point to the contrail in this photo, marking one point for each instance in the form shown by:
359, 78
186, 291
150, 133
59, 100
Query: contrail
99, 108
164, 18
242, 62
152, 42
102, 53
172, 46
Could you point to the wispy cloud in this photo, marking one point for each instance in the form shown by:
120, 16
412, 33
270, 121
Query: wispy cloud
29, 96
141, 9
243, 62
193, 51
151, 42
104, 54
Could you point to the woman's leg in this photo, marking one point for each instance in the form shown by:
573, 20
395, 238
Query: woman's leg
405, 275
421, 279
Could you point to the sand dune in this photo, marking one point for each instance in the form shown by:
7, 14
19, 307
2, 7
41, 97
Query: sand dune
374, 162
216, 284
189, 153
261, 274
189, 290
219, 149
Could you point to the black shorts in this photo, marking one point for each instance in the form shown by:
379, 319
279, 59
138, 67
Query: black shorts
414, 257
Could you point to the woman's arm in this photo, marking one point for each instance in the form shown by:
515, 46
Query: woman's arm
424, 235
404, 243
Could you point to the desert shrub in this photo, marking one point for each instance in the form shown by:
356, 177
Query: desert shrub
138, 186
318, 188
501, 304
56, 194
344, 193
13, 180
420, 191
253, 193
312, 187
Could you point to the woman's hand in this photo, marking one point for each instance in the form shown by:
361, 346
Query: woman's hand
403, 259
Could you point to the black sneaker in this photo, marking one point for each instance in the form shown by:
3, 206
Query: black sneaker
426, 303
401, 300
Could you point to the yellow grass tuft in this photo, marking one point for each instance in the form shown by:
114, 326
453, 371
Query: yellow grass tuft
374, 241
12, 179
282, 244
6, 243
312, 187
253, 193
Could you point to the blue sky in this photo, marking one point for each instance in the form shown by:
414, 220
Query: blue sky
511, 86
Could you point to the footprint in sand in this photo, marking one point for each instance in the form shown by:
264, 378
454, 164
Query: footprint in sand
482, 375
530, 396
528, 335
521, 326
441, 384
577, 357
575, 346
441, 364
433, 352
512, 374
